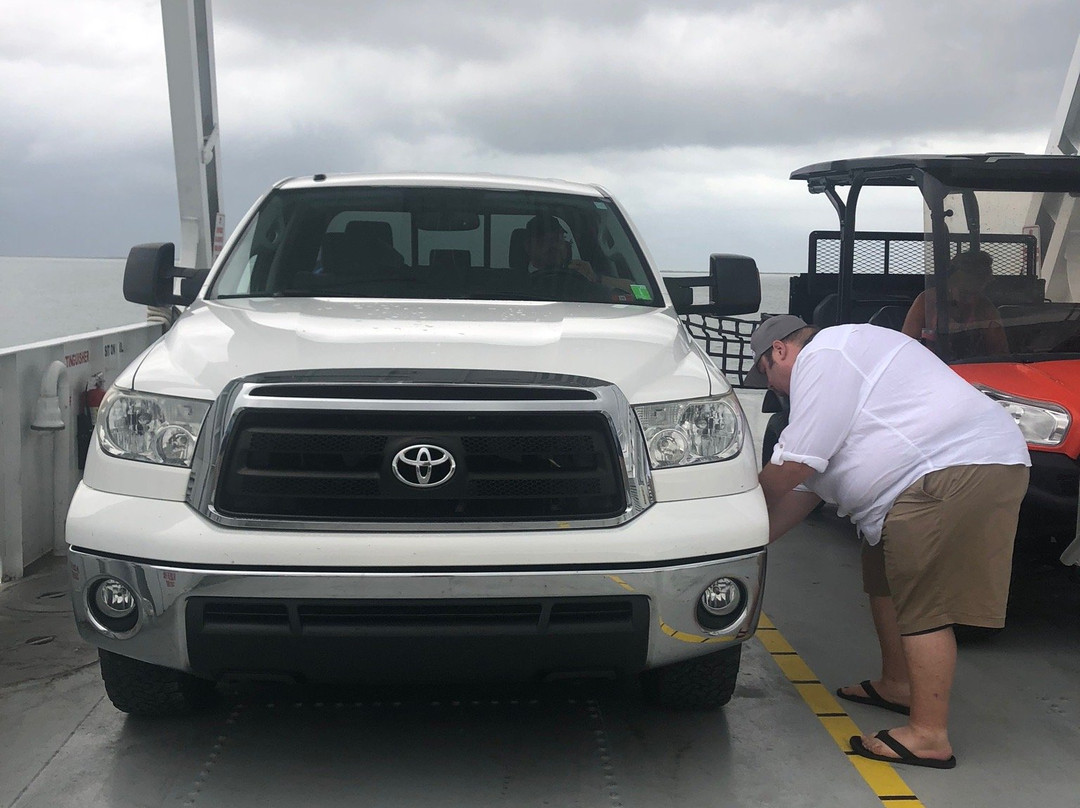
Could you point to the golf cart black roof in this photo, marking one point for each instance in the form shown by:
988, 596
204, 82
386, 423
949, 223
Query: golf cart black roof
990, 172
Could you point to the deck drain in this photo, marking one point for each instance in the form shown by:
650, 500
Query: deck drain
43, 640
53, 595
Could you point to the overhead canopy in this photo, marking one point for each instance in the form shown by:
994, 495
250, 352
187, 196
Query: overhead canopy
990, 172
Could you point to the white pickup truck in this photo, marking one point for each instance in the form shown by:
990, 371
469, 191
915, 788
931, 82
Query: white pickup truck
421, 427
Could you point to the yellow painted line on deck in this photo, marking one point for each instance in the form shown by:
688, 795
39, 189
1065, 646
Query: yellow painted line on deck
882, 778
621, 583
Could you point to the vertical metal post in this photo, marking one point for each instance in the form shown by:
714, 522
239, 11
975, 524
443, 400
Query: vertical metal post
1059, 233
934, 194
847, 251
189, 61
1065, 133
11, 515
65, 470
973, 220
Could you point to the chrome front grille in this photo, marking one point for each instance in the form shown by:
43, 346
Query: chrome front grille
323, 452
330, 465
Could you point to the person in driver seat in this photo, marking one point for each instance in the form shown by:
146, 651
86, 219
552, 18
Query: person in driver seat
547, 246
974, 322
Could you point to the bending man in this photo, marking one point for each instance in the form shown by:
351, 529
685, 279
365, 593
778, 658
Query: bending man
932, 473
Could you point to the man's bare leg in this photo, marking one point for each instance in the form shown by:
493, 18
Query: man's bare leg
931, 662
893, 685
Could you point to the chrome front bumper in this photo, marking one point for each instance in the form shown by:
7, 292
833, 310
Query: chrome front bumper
160, 636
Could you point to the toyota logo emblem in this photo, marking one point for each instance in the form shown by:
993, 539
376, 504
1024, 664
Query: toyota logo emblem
423, 465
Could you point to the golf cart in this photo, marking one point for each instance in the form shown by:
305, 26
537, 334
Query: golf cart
1003, 205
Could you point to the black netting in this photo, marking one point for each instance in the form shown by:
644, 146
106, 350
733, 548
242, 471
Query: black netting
887, 266
727, 341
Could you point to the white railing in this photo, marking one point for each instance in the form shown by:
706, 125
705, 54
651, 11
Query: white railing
39, 463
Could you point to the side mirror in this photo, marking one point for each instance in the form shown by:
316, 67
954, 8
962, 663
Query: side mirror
732, 286
736, 283
152, 279
682, 293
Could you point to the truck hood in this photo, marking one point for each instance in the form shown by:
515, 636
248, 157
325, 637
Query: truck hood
644, 351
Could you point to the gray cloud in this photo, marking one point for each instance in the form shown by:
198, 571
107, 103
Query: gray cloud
693, 114
612, 75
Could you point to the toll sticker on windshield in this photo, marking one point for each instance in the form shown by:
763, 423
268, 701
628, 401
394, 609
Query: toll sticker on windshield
640, 292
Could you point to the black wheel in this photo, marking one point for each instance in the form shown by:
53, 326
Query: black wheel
776, 425
701, 683
140, 688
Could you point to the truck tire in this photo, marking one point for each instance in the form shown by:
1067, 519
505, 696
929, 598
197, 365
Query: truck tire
768, 442
702, 683
142, 689
776, 425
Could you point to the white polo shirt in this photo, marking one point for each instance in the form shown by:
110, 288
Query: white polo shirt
872, 411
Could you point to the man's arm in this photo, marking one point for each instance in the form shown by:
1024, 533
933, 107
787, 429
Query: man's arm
996, 340
787, 507
778, 480
789, 510
915, 321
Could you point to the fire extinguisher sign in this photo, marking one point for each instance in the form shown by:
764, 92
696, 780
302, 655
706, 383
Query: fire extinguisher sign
219, 234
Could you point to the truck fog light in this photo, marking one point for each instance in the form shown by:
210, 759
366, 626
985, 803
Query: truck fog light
113, 599
722, 597
113, 606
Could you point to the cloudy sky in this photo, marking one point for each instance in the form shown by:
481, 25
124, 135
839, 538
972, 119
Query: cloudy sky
692, 114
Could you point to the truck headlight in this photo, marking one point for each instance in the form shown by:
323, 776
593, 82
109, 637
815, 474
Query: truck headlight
1043, 423
685, 433
150, 428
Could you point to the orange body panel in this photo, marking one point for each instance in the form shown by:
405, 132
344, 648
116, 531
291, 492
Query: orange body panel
1055, 381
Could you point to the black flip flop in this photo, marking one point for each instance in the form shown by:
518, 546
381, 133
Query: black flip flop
874, 699
905, 755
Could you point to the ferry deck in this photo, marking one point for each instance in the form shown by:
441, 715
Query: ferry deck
1015, 719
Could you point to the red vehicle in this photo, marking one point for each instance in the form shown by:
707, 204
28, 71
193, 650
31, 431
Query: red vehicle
1014, 333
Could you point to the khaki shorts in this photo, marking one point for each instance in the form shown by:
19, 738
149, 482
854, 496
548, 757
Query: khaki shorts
945, 554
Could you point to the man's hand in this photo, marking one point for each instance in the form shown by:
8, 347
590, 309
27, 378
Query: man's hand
583, 268
787, 507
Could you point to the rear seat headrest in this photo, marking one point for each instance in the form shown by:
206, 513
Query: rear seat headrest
367, 232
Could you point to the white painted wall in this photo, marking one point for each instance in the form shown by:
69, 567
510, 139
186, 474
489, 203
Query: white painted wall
39, 470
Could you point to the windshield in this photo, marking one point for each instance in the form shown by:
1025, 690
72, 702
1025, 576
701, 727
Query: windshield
437, 243
999, 304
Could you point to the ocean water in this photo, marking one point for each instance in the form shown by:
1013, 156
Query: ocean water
774, 293
48, 298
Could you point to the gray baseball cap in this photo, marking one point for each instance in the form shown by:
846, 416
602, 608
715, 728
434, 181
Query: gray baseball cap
777, 327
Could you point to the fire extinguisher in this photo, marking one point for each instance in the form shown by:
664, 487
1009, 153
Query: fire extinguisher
91, 400
93, 395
